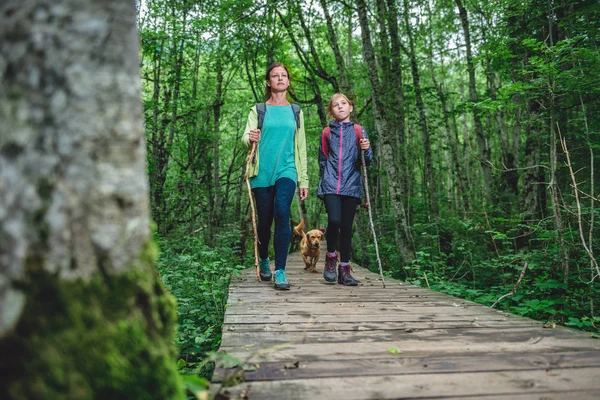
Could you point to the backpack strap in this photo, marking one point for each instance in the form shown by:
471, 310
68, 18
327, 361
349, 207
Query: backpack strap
325, 141
358, 132
296, 110
325, 138
261, 109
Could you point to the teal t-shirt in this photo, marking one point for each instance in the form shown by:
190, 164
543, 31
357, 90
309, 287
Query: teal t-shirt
276, 147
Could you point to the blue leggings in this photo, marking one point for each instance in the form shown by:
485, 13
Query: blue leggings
274, 202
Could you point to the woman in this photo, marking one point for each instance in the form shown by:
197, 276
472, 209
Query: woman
279, 165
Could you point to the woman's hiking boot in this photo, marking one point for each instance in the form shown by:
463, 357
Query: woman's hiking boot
281, 282
344, 276
265, 270
329, 272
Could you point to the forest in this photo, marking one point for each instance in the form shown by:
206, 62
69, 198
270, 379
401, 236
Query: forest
484, 118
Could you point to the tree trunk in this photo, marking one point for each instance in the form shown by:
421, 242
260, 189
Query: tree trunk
392, 86
345, 84
384, 48
429, 185
397, 101
350, 27
533, 193
510, 176
482, 141
215, 220
453, 159
555, 34
403, 236
83, 313
155, 138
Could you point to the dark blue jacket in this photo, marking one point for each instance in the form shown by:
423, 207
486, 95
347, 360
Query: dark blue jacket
340, 170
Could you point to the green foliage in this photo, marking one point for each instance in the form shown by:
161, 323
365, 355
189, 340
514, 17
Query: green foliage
198, 277
471, 272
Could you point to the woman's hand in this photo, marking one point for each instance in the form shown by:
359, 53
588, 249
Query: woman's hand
254, 135
364, 144
303, 193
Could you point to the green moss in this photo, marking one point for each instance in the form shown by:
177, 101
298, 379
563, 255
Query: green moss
103, 338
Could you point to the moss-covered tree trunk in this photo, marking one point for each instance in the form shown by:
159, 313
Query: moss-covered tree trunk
403, 236
83, 313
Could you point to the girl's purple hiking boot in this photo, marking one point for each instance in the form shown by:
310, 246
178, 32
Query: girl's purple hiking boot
344, 276
329, 272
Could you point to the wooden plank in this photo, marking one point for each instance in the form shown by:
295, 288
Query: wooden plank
414, 365
371, 326
335, 303
471, 335
438, 385
298, 351
260, 297
284, 308
307, 317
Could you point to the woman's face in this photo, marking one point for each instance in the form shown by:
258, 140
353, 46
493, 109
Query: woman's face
279, 79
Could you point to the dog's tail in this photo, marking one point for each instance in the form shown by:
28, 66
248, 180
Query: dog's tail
299, 229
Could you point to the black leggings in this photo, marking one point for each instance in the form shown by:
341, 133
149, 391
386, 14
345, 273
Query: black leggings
340, 216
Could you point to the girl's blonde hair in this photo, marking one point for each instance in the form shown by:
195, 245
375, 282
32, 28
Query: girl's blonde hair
330, 105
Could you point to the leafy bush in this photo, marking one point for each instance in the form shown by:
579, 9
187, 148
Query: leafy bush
198, 277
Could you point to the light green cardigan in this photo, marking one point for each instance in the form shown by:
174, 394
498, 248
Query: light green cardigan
299, 148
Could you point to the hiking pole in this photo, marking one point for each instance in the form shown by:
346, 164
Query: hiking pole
250, 157
366, 182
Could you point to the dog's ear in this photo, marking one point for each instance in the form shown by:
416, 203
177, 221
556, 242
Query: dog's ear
322, 235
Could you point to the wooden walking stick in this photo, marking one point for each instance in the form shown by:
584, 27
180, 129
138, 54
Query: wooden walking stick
366, 183
250, 157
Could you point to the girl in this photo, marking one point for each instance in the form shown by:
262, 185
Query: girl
279, 165
340, 185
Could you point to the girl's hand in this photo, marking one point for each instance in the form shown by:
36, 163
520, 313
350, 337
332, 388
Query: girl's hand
364, 144
303, 193
254, 135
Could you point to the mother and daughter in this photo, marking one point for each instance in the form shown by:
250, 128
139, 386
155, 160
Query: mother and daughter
280, 165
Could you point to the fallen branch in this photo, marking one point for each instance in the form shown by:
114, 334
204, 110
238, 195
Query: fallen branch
250, 157
514, 289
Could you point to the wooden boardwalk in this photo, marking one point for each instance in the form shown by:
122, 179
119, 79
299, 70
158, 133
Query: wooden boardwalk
327, 341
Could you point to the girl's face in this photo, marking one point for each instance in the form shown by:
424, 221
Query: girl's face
279, 79
341, 109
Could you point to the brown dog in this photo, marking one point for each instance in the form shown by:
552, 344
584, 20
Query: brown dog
310, 246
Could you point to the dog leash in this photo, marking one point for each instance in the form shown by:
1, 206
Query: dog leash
250, 158
366, 184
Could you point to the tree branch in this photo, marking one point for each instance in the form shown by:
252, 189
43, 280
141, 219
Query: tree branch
514, 289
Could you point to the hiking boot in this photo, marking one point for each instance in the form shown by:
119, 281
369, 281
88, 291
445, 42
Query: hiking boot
329, 272
281, 282
265, 270
344, 276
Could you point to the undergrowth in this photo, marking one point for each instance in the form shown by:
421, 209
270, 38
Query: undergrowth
198, 277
